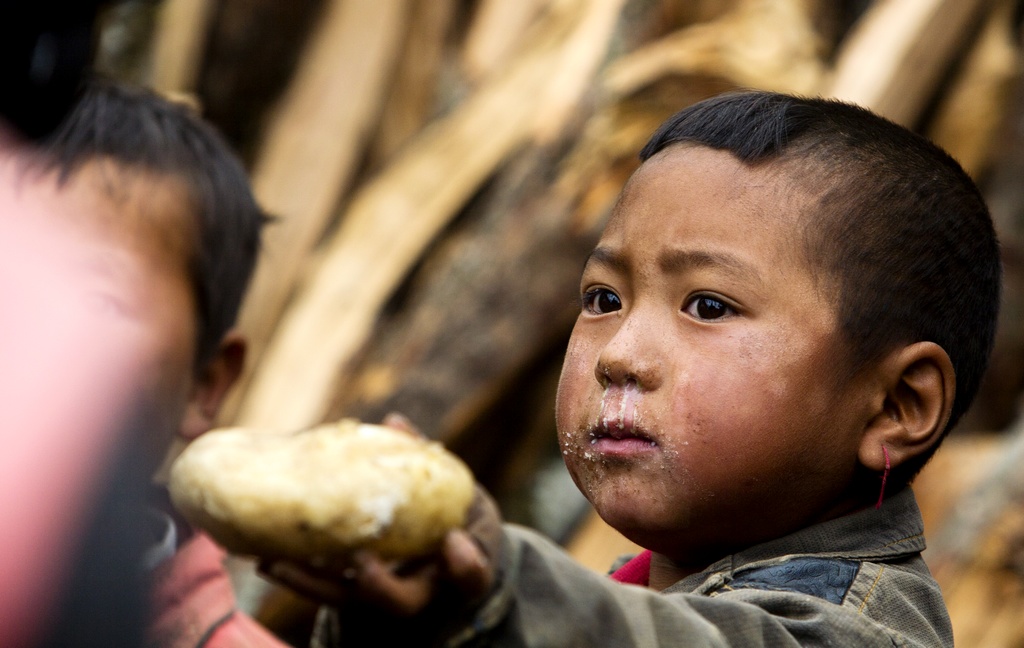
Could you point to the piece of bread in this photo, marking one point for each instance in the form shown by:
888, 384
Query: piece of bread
318, 495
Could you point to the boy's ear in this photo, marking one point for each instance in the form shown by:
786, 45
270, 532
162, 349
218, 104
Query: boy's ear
918, 386
212, 385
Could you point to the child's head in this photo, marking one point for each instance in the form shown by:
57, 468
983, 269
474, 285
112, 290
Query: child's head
167, 231
897, 225
144, 136
785, 287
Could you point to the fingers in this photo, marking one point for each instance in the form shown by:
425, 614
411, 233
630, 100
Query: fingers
308, 582
404, 595
368, 579
466, 566
400, 422
483, 522
408, 590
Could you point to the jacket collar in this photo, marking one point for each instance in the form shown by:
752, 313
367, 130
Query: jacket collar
893, 531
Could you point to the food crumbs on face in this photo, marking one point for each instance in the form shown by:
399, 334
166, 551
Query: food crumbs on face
602, 418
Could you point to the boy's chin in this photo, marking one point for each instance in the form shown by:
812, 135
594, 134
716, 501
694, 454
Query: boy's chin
640, 525
674, 531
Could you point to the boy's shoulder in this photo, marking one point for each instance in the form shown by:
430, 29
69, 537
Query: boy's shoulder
867, 564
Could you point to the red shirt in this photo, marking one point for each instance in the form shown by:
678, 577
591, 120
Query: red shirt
637, 571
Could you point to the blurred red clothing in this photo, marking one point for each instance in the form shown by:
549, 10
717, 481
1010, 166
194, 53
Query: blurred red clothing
194, 605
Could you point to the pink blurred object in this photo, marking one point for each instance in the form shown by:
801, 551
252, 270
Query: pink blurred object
65, 388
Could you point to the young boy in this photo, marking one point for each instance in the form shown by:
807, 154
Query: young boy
793, 301
166, 232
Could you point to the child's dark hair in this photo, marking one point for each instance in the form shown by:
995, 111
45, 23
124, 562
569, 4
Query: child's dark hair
899, 226
138, 129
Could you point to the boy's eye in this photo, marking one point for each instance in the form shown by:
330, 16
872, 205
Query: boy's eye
601, 300
706, 307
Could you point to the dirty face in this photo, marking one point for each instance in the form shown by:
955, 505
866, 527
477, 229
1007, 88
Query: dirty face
699, 408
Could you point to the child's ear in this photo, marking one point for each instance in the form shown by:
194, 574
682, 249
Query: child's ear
919, 385
212, 385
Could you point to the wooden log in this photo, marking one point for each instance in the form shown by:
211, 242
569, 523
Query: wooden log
897, 53
251, 52
687, 12
413, 96
984, 594
312, 148
971, 603
957, 468
972, 109
981, 507
759, 44
493, 295
570, 79
124, 40
179, 44
998, 401
397, 214
972, 554
1005, 627
495, 32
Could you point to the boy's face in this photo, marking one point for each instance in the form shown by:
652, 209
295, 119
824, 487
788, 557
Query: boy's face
699, 407
133, 244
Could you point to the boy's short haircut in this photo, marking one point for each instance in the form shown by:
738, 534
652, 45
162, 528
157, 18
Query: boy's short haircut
138, 129
898, 226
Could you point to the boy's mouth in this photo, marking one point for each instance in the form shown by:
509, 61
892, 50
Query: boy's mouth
619, 434
620, 442
616, 430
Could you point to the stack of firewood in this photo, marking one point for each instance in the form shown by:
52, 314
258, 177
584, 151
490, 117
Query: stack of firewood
441, 168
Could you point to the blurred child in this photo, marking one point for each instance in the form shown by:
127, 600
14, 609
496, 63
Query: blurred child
167, 233
793, 301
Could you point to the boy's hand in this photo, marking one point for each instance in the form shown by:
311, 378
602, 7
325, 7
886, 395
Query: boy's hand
461, 574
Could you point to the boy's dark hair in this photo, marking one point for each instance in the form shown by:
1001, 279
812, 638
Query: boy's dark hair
899, 225
138, 129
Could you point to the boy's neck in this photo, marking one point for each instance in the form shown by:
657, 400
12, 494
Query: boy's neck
665, 572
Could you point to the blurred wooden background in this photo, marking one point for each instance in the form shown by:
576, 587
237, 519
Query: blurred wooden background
441, 168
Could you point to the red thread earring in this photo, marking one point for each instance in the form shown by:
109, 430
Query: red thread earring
885, 476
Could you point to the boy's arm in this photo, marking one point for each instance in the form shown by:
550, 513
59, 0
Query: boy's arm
495, 585
547, 599
544, 598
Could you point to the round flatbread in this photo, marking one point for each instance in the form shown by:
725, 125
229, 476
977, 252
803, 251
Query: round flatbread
318, 495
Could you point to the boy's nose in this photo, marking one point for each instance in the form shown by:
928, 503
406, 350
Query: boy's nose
630, 355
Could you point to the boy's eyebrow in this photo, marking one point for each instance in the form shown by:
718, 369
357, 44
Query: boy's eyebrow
674, 261
606, 257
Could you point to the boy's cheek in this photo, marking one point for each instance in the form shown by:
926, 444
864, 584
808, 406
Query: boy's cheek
575, 354
568, 387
